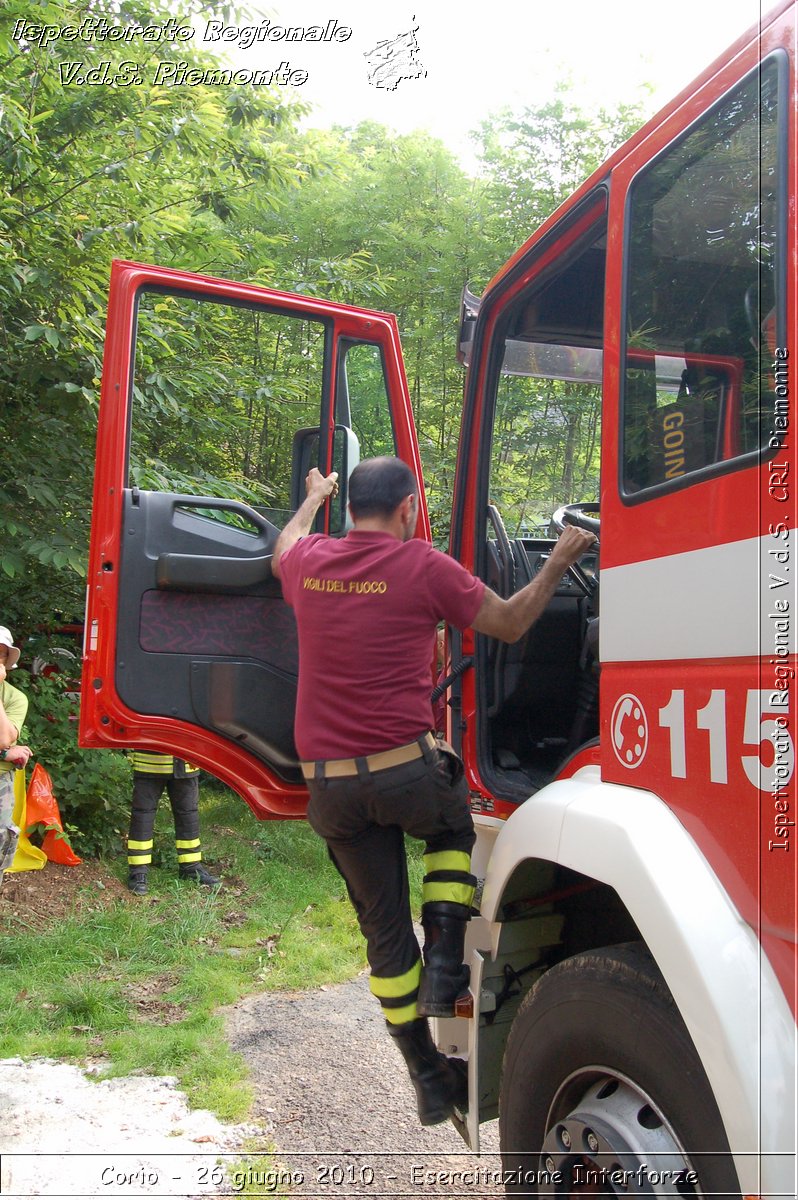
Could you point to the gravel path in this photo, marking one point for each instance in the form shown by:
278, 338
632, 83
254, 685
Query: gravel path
333, 1095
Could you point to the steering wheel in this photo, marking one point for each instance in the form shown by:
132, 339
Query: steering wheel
579, 515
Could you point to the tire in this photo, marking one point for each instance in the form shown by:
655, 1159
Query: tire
602, 1089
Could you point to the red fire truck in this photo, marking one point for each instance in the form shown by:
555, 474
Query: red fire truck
632, 1014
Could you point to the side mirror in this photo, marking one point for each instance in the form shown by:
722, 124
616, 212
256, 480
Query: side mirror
469, 311
346, 456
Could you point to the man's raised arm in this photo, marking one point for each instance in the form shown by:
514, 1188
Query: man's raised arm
318, 487
508, 620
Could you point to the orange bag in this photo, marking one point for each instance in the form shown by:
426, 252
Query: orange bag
43, 808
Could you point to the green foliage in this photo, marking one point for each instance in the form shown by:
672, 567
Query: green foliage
86, 174
532, 160
92, 787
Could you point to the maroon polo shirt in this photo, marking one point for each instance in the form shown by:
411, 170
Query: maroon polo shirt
367, 607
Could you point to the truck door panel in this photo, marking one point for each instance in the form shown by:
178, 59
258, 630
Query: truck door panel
217, 398
210, 597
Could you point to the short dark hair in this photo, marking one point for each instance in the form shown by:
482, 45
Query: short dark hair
377, 486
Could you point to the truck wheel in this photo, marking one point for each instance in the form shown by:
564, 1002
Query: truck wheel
602, 1089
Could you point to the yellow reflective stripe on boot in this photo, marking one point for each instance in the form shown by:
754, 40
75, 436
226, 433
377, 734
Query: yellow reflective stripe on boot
453, 893
448, 860
448, 878
400, 1016
188, 850
393, 989
144, 856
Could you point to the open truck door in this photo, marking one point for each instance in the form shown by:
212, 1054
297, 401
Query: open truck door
217, 399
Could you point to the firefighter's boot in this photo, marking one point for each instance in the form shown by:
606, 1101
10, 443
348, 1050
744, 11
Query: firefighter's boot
441, 1083
199, 873
137, 881
444, 975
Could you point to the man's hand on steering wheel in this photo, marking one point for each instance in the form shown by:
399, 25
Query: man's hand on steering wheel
580, 518
571, 545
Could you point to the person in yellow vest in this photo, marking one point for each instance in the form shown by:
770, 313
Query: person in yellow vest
151, 774
13, 756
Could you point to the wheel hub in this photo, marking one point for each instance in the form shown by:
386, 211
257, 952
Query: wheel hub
612, 1142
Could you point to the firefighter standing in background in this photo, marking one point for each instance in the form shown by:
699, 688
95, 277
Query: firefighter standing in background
151, 774
367, 607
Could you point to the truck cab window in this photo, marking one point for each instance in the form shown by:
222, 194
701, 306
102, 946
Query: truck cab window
362, 399
219, 391
701, 292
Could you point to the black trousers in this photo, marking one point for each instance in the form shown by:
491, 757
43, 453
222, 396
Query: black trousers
184, 799
363, 821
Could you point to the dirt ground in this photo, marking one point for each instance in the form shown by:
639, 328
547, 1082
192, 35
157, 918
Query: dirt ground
34, 899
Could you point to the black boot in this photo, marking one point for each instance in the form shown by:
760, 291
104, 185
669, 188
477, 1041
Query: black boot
444, 974
199, 874
137, 881
441, 1083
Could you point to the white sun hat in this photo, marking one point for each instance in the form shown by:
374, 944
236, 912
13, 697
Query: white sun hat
13, 651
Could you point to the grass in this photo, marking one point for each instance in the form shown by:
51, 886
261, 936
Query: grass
140, 984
